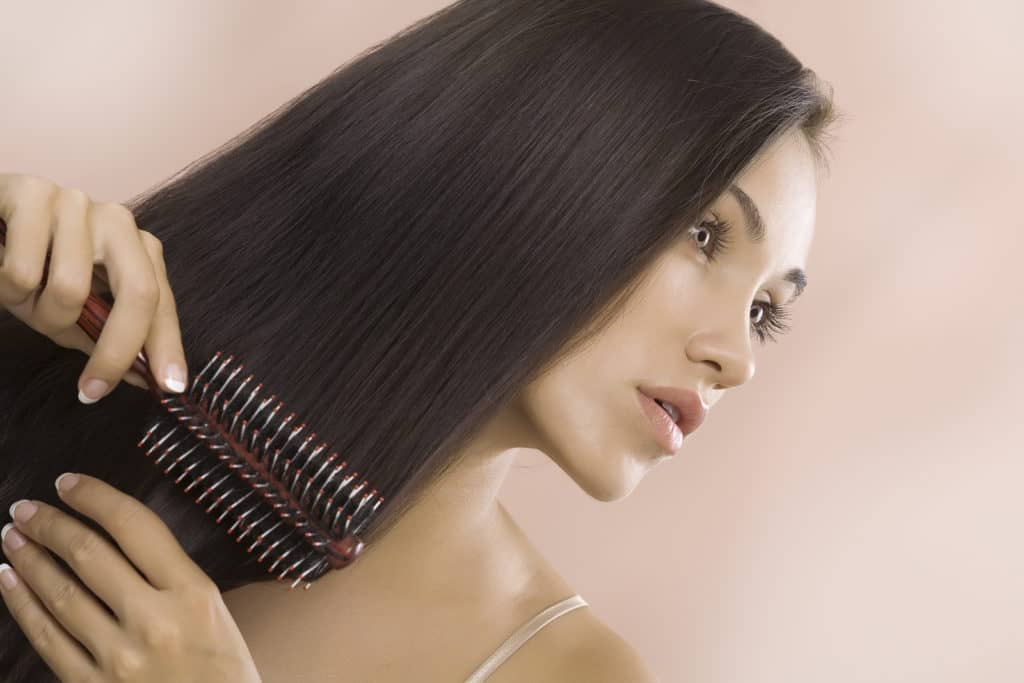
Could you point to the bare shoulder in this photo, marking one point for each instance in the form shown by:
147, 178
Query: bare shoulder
602, 655
576, 647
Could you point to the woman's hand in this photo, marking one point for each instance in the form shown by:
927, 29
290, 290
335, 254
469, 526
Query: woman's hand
169, 622
81, 233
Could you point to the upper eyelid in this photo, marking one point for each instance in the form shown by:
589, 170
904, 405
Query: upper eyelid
727, 224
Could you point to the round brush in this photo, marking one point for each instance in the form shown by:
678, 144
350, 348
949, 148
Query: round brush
243, 458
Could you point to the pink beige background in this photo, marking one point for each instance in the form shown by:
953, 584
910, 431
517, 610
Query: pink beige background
851, 515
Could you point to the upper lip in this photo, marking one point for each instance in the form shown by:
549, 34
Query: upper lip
692, 409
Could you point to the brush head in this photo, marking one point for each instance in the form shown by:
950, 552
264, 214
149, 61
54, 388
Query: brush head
295, 505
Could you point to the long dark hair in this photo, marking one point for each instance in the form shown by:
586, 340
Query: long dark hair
399, 249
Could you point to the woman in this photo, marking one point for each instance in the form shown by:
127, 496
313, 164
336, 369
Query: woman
500, 229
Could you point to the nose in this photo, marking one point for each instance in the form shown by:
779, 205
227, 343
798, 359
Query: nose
731, 358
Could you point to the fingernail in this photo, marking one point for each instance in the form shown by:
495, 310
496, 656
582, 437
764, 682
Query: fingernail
22, 510
66, 481
93, 390
7, 577
10, 537
174, 377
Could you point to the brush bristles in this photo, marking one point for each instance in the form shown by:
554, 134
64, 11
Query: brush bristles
294, 505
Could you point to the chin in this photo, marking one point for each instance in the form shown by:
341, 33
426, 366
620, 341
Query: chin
604, 484
609, 495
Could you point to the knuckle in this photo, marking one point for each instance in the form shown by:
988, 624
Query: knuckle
42, 524
42, 635
201, 598
21, 608
152, 241
74, 197
145, 290
22, 276
125, 664
63, 596
161, 635
125, 516
35, 186
82, 548
118, 214
66, 291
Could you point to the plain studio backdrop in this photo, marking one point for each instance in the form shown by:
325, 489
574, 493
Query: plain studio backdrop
853, 513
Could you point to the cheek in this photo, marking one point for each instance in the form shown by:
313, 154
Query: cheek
689, 296
568, 405
585, 417
682, 278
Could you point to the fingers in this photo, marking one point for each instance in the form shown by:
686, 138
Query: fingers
70, 272
94, 560
60, 246
28, 238
142, 536
164, 348
136, 296
55, 646
52, 608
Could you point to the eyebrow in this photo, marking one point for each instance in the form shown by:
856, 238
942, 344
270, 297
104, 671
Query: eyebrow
756, 232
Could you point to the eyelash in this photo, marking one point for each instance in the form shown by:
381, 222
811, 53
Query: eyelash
775, 316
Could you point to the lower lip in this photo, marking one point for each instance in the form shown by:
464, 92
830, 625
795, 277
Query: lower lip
669, 436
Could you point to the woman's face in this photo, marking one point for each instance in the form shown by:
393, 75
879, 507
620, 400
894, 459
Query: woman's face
695, 324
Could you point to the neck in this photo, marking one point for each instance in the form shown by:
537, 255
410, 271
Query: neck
454, 547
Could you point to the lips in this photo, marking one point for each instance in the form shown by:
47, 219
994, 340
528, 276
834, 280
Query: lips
692, 411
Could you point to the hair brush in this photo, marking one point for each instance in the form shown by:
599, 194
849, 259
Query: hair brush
292, 504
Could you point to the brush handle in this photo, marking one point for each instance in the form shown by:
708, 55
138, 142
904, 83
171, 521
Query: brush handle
92, 319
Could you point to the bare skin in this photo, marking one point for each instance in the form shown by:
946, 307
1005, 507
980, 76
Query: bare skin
434, 597
475, 579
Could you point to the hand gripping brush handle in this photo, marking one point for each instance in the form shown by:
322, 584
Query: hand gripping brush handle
295, 507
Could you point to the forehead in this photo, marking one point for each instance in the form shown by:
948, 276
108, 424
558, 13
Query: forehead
782, 183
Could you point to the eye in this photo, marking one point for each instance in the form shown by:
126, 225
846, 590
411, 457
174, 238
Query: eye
712, 236
713, 233
765, 316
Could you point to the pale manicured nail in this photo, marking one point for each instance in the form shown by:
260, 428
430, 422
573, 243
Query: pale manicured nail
66, 481
92, 391
7, 577
10, 537
174, 378
22, 510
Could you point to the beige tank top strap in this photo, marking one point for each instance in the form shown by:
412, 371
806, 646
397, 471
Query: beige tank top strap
523, 634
